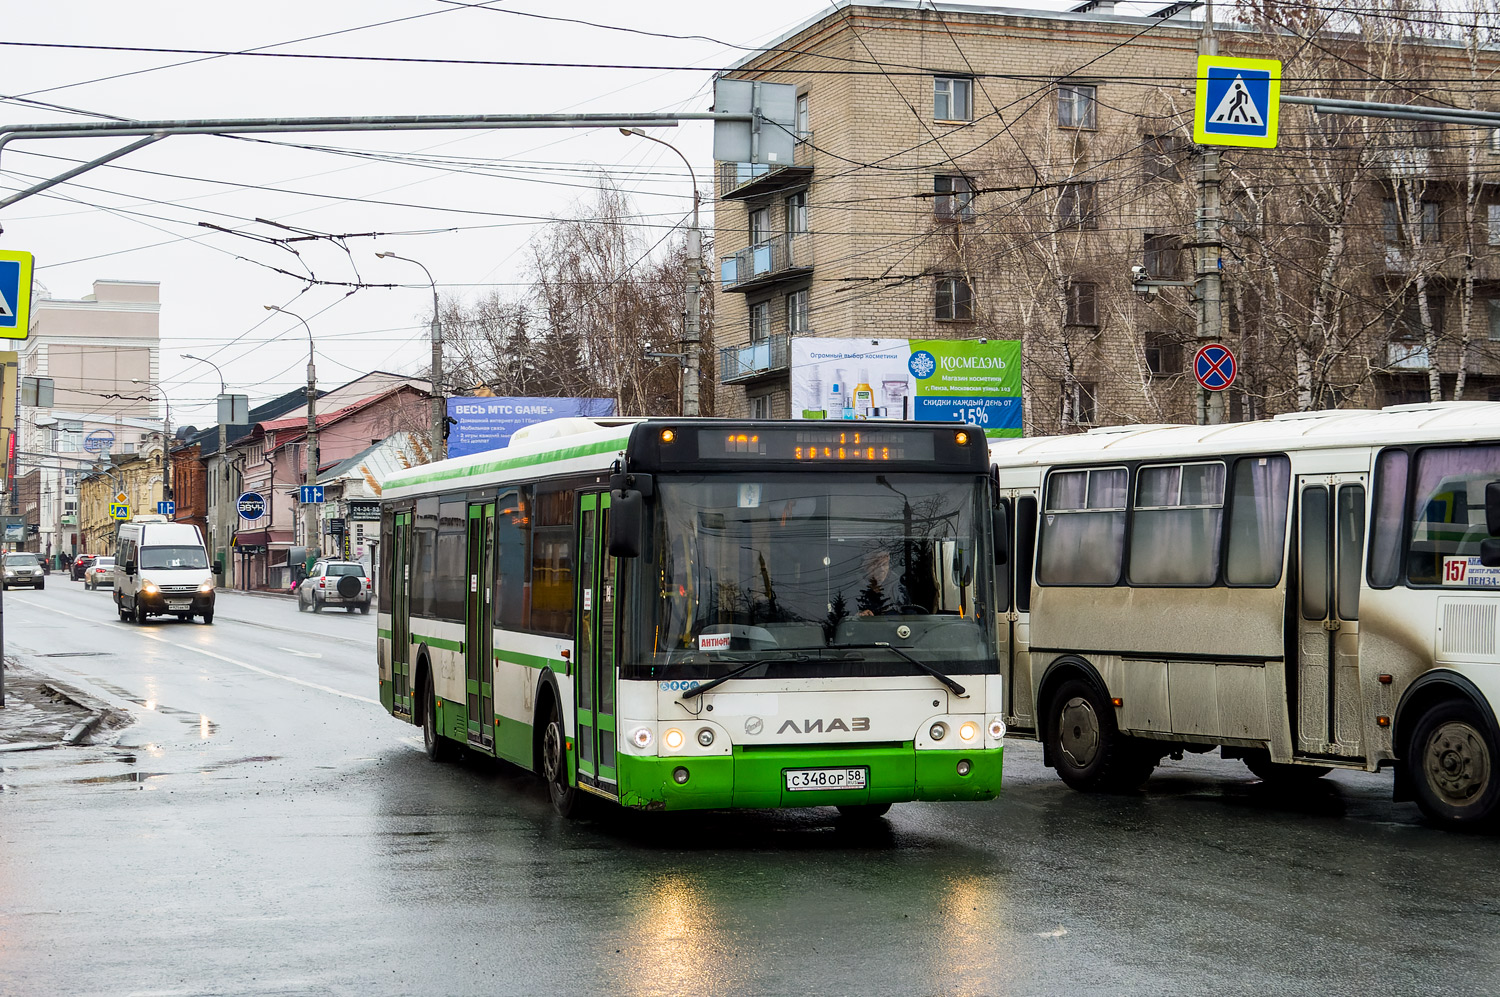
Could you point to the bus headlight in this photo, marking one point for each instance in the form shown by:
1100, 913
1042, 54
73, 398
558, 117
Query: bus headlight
938, 731
672, 739
997, 728
705, 736
641, 737
968, 730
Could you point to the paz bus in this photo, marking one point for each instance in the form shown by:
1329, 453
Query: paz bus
1305, 593
681, 614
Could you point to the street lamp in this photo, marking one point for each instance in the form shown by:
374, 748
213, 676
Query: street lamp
310, 472
439, 405
218, 534
690, 331
166, 440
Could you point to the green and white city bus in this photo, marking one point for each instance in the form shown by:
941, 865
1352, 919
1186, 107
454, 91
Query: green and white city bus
680, 613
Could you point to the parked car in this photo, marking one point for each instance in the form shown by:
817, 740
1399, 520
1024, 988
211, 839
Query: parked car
101, 572
22, 568
82, 562
335, 583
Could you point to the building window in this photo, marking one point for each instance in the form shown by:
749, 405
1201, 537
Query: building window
760, 225
1494, 309
955, 300
952, 98
796, 213
1163, 354
760, 406
1078, 404
1078, 206
1409, 325
1164, 155
1081, 307
1430, 229
1493, 216
760, 322
804, 120
796, 312
1075, 105
1163, 257
953, 198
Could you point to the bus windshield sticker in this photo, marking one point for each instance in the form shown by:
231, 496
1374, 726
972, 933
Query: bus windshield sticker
750, 495
713, 642
1469, 572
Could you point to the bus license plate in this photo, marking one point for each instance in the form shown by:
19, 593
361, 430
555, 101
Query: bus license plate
812, 779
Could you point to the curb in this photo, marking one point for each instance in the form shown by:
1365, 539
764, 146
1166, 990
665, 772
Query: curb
98, 711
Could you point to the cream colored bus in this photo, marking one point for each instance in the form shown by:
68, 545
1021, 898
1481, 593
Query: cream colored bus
1310, 592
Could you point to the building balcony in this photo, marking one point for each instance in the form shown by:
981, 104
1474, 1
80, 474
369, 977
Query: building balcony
738, 364
781, 257
743, 181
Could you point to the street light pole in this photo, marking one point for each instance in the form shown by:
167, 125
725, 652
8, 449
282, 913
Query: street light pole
166, 440
311, 534
218, 535
439, 403
690, 329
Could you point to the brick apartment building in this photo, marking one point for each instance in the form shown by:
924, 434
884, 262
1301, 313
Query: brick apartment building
976, 172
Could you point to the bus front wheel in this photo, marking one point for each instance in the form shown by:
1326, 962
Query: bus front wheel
1086, 745
555, 765
1451, 762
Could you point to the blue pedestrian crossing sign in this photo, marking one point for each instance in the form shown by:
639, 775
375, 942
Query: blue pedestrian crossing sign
15, 294
1238, 102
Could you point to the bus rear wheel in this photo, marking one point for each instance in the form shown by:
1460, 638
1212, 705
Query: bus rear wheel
1451, 762
438, 749
555, 765
1086, 745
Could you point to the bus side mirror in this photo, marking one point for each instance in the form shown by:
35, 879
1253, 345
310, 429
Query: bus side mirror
130, 567
1492, 508
1002, 534
627, 522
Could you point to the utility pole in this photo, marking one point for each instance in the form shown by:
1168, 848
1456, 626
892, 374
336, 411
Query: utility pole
1210, 281
439, 400
311, 529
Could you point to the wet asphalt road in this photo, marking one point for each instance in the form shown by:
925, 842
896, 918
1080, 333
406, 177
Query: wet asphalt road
264, 828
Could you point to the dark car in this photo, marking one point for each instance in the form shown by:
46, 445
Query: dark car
81, 564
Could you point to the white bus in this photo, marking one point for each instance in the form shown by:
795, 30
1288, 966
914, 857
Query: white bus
681, 614
1310, 592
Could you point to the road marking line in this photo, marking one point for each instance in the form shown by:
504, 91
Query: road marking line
300, 654
220, 657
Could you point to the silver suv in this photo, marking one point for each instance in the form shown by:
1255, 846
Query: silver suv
335, 583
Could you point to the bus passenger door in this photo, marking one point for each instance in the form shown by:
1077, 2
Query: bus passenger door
594, 675
400, 558
478, 633
1331, 534
1015, 625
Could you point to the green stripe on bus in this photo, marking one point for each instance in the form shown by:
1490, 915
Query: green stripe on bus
567, 453
439, 642
383, 634
525, 660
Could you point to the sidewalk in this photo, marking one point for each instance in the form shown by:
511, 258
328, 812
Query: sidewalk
41, 712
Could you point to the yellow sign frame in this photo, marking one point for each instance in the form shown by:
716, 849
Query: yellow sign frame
22, 303
1273, 103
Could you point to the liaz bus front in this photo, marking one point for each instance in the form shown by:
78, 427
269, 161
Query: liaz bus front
805, 616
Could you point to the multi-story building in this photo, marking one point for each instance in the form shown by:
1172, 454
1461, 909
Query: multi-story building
101, 352
977, 172
136, 475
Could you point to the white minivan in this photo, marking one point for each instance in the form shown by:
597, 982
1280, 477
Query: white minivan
162, 568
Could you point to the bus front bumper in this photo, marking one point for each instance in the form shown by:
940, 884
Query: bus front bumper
757, 779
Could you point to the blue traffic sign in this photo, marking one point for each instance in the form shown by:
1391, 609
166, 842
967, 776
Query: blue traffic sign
1238, 102
1215, 367
166, 508
119, 510
310, 494
251, 505
15, 294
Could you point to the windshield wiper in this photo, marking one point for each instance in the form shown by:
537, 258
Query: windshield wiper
737, 672
941, 676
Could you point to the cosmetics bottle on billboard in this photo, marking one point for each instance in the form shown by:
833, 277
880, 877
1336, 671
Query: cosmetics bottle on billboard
814, 407
864, 395
836, 396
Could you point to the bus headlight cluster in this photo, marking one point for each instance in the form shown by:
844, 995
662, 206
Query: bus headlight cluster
938, 731
968, 730
997, 728
672, 739
641, 737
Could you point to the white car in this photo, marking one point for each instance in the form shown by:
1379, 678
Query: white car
23, 568
335, 583
101, 572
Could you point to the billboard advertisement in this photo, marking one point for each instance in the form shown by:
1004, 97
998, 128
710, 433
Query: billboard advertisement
487, 423
928, 380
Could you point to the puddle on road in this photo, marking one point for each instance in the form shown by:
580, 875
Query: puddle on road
206, 727
250, 760
75, 654
104, 780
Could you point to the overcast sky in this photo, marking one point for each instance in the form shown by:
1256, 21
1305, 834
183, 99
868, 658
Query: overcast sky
466, 214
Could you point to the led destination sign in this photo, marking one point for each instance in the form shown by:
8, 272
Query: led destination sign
817, 445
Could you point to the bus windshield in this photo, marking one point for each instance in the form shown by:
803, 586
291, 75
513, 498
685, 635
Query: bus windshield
816, 572
173, 557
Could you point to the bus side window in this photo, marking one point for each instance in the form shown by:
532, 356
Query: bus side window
1083, 530
1005, 576
1023, 563
1314, 553
512, 557
1257, 521
450, 582
1388, 518
423, 555
1449, 503
1351, 547
552, 563
384, 552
